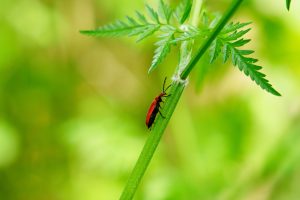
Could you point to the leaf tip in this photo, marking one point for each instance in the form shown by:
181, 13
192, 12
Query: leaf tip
85, 32
276, 93
150, 69
288, 4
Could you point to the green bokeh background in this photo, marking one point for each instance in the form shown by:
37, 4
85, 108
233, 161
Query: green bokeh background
72, 109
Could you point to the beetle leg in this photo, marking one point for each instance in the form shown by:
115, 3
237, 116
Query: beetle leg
161, 114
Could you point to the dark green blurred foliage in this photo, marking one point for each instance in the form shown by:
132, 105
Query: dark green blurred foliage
72, 110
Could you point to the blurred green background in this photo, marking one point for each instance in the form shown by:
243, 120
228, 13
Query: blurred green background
72, 109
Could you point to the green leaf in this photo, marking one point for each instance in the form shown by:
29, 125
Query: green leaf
240, 42
164, 11
246, 65
190, 33
233, 27
132, 21
215, 50
246, 52
251, 70
209, 20
227, 43
141, 17
204, 19
187, 11
288, 3
152, 14
164, 47
226, 52
149, 31
237, 34
131, 27
215, 21
118, 28
183, 10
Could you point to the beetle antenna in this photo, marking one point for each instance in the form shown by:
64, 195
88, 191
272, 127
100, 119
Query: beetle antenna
164, 84
168, 87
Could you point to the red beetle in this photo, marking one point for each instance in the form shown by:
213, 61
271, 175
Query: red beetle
155, 106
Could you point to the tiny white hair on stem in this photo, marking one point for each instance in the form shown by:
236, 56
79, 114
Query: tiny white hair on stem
184, 27
177, 79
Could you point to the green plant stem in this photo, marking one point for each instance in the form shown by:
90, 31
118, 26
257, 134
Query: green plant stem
152, 142
168, 109
196, 11
232, 9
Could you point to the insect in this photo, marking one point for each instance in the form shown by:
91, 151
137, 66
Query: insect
155, 106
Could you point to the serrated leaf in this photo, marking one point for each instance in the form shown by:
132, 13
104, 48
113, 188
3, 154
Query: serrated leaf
164, 46
168, 28
152, 14
204, 19
118, 28
183, 10
186, 11
237, 34
229, 36
252, 61
251, 70
256, 67
226, 52
141, 17
132, 21
214, 22
137, 31
229, 40
246, 52
288, 3
149, 31
129, 28
240, 42
191, 33
233, 27
164, 11
215, 50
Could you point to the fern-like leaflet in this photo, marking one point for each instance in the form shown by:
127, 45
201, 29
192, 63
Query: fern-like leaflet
190, 32
164, 11
163, 47
131, 27
183, 11
288, 4
228, 43
142, 27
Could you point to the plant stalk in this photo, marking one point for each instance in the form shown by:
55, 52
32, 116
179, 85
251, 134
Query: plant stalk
168, 109
152, 142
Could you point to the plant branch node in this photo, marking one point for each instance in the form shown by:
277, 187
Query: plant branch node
177, 79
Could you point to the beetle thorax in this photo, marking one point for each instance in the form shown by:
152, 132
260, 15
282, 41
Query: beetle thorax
158, 98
